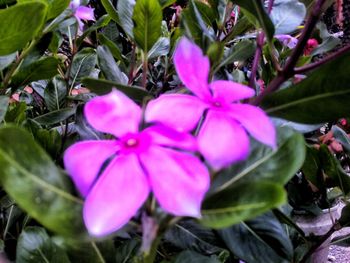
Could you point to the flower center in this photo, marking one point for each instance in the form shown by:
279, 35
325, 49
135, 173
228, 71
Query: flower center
217, 104
132, 142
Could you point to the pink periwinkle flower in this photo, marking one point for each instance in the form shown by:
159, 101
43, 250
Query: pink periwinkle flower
310, 46
156, 159
82, 12
222, 137
287, 40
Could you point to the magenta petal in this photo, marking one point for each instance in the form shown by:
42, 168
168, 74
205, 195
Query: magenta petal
179, 180
192, 67
85, 13
83, 161
222, 140
113, 113
230, 91
180, 111
118, 194
166, 136
256, 122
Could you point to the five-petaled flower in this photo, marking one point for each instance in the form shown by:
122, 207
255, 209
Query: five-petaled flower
156, 159
81, 12
222, 137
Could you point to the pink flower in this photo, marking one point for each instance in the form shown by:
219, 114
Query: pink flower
140, 161
223, 135
81, 12
310, 46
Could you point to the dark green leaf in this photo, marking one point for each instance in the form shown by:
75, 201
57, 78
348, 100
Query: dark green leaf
55, 93
101, 87
109, 67
166, 3
56, 7
312, 167
126, 10
101, 252
4, 102
127, 252
16, 113
160, 48
50, 141
54, 117
243, 25
19, 24
257, 9
194, 257
35, 246
111, 11
287, 15
260, 240
321, 97
44, 68
265, 164
241, 201
147, 18
117, 54
344, 219
31, 178
5, 61
83, 64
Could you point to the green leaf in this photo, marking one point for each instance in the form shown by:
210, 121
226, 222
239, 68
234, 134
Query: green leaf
341, 136
321, 97
312, 167
35, 246
160, 48
101, 252
189, 256
265, 164
55, 93
287, 15
166, 3
5, 61
117, 54
128, 251
126, 10
44, 68
56, 7
257, 9
147, 19
19, 24
31, 178
260, 240
83, 64
111, 11
16, 113
4, 102
109, 67
101, 87
242, 201
54, 117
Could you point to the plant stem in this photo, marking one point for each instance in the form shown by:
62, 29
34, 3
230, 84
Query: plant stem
288, 70
257, 56
144, 69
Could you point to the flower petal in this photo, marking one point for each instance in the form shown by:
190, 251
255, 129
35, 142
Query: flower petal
116, 197
179, 111
256, 122
85, 13
230, 91
113, 113
179, 180
192, 67
165, 136
84, 160
222, 140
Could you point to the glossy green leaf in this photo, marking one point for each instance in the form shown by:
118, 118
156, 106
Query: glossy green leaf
101, 22
323, 96
312, 167
243, 25
41, 189
55, 116
109, 67
56, 7
128, 251
166, 3
110, 9
147, 19
265, 164
257, 9
189, 256
287, 15
126, 10
5, 61
19, 24
241, 201
259, 240
101, 87
55, 93
117, 54
4, 102
160, 48
16, 113
35, 246
83, 64
44, 68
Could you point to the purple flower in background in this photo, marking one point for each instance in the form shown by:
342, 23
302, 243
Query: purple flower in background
223, 135
155, 159
287, 40
81, 12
